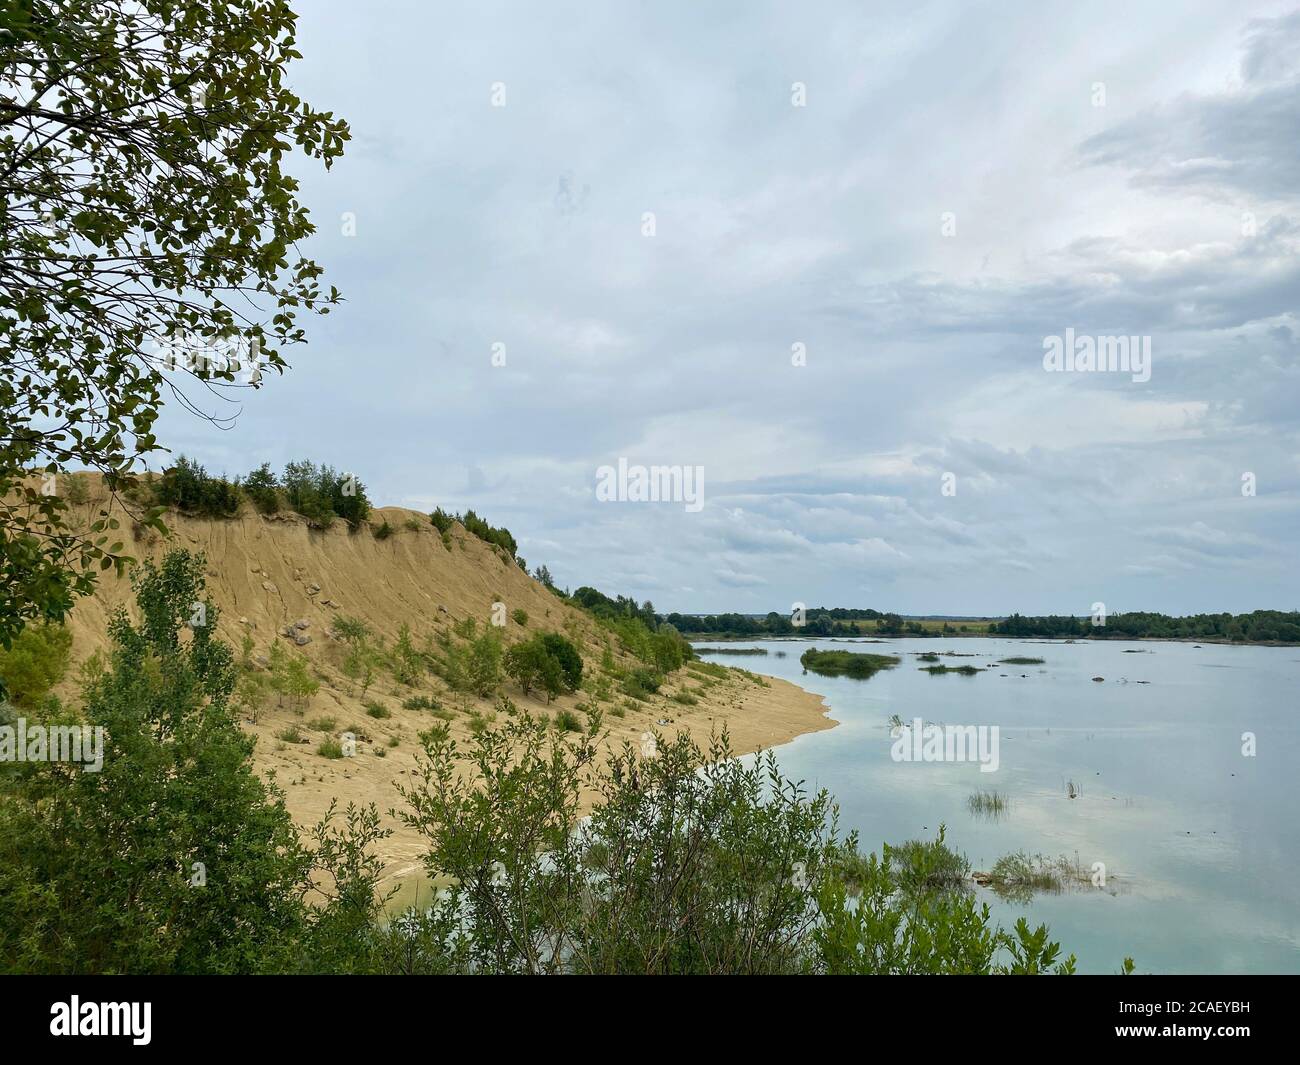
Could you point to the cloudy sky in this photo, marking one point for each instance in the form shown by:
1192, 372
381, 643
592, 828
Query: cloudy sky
916, 193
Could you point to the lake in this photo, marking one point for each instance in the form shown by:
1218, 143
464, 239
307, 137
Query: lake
1201, 843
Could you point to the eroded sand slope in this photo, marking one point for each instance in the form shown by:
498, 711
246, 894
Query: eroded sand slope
268, 573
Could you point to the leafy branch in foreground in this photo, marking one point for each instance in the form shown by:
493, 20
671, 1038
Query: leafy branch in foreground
145, 212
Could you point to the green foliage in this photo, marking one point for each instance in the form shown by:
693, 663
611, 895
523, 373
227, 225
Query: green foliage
34, 664
376, 709
641, 683
473, 666
351, 629
547, 660
567, 721
566, 654
690, 862
1259, 626
519, 616
442, 521
488, 533
321, 494
384, 531
846, 663
290, 678
189, 488
364, 658
252, 691
96, 868
407, 663
150, 204
263, 489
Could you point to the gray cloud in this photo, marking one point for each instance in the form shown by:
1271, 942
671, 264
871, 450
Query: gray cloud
821, 226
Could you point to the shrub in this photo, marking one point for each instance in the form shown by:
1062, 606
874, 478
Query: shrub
442, 521
263, 489
546, 660
520, 617
35, 663
321, 494
76, 489
690, 862
474, 666
188, 487
406, 662
489, 534
562, 650
376, 709
330, 748
567, 721
641, 683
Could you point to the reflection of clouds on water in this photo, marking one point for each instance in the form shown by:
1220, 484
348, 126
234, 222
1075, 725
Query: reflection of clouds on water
1198, 841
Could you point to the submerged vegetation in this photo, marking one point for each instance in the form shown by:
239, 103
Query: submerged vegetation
991, 804
1018, 877
858, 664
965, 671
1021, 661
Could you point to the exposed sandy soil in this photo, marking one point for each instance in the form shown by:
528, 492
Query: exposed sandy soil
260, 575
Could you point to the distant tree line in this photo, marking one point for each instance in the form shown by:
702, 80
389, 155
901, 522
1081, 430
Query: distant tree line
817, 621
1259, 626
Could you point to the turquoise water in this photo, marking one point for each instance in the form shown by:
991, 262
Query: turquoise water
1201, 844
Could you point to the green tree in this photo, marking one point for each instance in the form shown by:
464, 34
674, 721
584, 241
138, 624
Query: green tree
35, 663
406, 661
566, 656
147, 207
175, 857
523, 664
262, 487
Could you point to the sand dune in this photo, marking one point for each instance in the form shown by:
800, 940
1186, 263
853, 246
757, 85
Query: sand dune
266, 573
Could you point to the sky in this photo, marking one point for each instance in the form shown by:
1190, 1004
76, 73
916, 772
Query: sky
816, 249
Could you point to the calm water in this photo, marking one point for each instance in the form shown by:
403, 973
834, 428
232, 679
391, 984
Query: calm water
1201, 844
